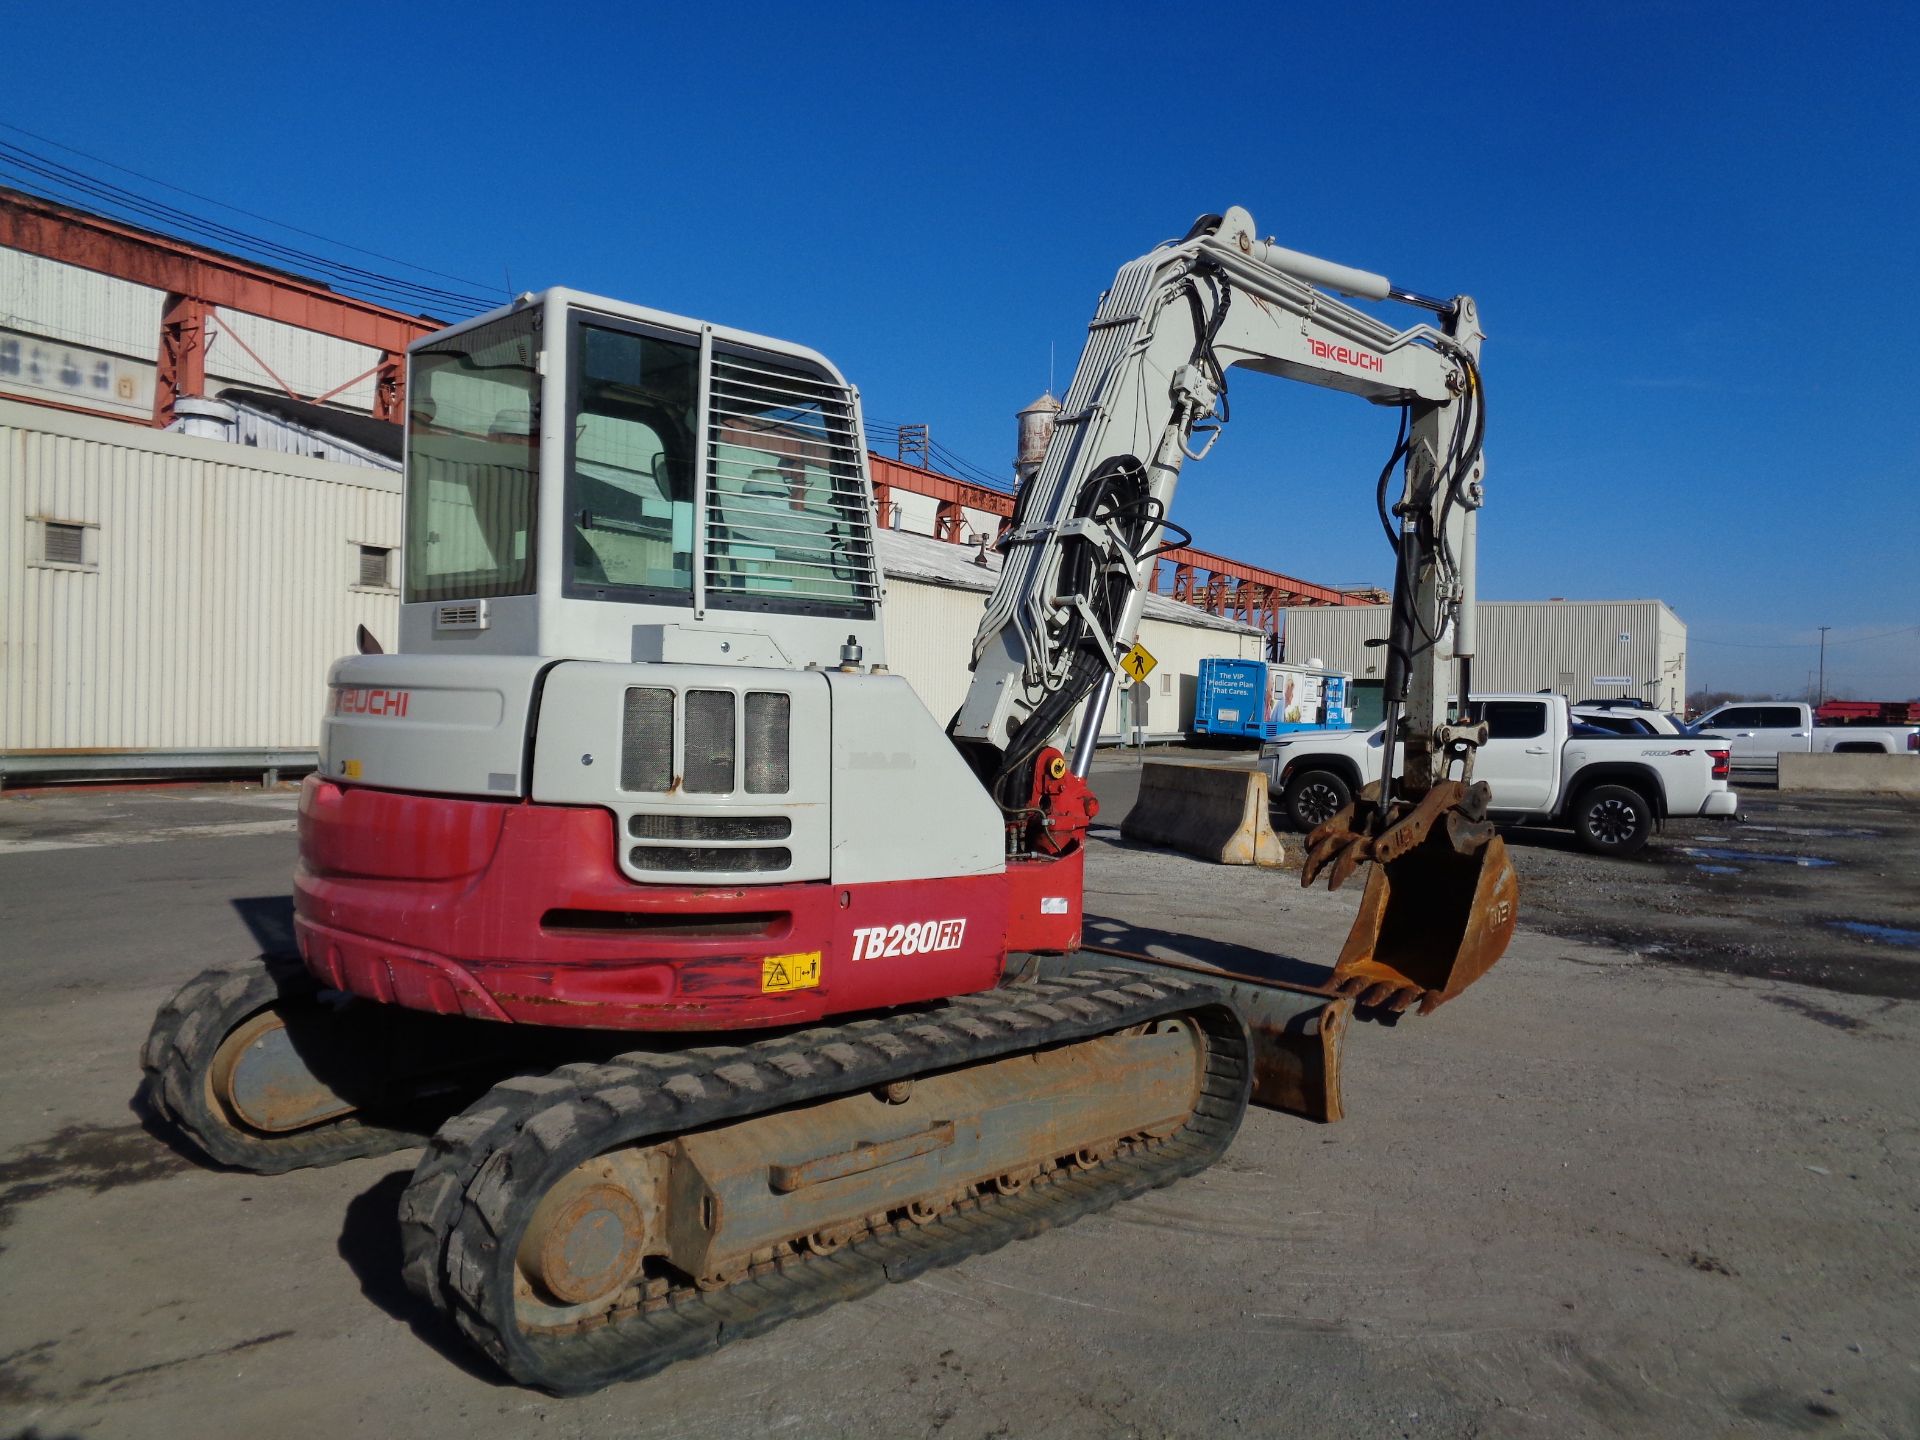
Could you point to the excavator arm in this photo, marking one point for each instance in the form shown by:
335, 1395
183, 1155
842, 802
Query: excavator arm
1150, 394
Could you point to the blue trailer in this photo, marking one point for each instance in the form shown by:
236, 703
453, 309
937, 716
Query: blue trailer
1259, 699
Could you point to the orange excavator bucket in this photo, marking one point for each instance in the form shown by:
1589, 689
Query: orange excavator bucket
1440, 903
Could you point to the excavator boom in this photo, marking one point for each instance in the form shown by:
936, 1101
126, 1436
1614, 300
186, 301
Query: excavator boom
1148, 396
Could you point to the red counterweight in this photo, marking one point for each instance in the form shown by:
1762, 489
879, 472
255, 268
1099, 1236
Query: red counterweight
518, 912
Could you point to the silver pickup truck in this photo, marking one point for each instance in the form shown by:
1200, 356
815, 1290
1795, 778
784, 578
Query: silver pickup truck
1541, 766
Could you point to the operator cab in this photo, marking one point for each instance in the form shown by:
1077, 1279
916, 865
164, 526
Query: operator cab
639, 579
592, 480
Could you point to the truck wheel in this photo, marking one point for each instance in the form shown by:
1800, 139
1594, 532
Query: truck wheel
1613, 820
1315, 797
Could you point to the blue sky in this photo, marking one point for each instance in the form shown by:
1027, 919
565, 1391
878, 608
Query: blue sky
1691, 230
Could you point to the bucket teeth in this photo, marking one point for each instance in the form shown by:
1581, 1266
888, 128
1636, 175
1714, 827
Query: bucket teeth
1336, 844
1439, 906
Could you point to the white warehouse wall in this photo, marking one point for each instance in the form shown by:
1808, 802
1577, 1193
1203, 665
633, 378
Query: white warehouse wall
220, 585
311, 363
1568, 646
917, 514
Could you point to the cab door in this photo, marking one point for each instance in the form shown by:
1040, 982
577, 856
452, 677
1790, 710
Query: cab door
1518, 761
1786, 727
1747, 735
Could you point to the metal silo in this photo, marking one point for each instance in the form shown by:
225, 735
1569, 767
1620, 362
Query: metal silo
1036, 428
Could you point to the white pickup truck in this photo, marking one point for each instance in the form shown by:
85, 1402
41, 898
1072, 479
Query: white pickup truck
1540, 765
1760, 731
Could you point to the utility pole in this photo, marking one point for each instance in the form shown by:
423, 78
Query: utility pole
1823, 665
914, 441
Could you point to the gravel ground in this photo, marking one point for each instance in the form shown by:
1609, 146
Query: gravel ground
1833, 876
1658, 1174
1818, 890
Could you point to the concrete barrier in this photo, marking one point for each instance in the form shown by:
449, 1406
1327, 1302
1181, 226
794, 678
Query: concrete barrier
1212, 811
1877, 774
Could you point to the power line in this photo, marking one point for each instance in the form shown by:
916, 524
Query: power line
67, 182
1803, 644
105, 190
954, 463
250, 214
123, 205
967, 469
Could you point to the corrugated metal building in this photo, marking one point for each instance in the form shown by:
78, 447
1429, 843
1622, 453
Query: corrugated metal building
161, 592
167, 593
1577, 648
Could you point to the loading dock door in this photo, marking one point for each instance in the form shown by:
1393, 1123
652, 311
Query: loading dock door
1369, 703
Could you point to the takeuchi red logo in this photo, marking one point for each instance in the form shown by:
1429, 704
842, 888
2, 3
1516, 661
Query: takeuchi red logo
1341, 355
351, 700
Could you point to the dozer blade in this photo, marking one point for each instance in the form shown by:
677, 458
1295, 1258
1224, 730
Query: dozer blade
1440, 904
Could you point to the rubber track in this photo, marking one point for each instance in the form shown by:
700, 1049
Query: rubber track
180, 1048
487, 1169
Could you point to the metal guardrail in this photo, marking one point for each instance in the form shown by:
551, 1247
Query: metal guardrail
39, 766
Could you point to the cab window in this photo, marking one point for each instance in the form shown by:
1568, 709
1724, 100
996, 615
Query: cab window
1511, 719
473, 449
630, 465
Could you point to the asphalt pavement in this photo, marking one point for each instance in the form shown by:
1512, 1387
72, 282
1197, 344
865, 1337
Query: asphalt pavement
1611, 1191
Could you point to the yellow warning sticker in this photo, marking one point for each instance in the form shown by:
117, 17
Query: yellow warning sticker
350, 769
1138, 662
789, 972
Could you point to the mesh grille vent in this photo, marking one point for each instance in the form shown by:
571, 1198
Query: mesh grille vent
66, 544
646, 740
709, 742
768, 717
376, 566
709, 827
676, 857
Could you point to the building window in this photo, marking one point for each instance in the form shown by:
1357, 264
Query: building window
62, 544
376, 567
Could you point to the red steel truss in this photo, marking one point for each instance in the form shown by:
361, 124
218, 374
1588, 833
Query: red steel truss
197, 280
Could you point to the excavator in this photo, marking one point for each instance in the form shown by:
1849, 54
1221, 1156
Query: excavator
727, 981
